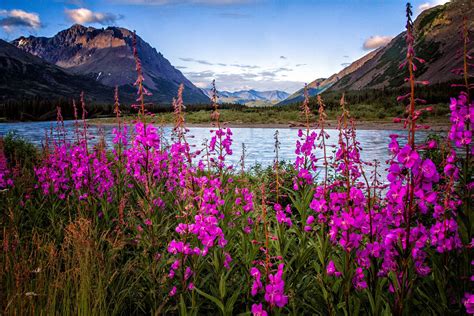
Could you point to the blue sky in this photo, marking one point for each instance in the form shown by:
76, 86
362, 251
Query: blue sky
260, 44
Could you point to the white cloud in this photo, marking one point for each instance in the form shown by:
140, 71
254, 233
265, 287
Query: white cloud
83, 15
19, 18
430, 4
265, 80
376, 41
199, 61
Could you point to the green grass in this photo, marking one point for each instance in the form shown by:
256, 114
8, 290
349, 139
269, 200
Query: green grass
286, 115
245, 116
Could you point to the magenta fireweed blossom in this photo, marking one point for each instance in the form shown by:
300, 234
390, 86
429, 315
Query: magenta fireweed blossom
52, 173
120, 136
469, 303
348, 225
331, 269
462, 116
408, 157
144, 156
5, 174
227, 260
244, 199
173, 291
444, 235
408, 164
305, 162
275, 289
72, 169
359, 279
282, 214
188, 273
242, 210
257, 282
257, 310
220, 146
319, 204
204, 225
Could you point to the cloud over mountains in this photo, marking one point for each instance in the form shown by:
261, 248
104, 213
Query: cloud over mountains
376, 41
11, 19
84, 16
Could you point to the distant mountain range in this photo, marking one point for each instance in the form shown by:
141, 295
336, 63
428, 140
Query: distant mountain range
106, 56
437, 41
250, 97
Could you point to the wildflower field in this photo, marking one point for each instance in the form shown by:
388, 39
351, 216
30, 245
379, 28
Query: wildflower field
149, 225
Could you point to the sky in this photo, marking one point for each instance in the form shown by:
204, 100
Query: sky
243, 44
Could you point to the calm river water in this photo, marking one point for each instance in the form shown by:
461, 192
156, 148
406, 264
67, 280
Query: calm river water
259, 142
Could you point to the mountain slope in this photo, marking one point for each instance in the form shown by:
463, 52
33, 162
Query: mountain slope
106, 55
437, 41
24, 76
322, 84
250, 97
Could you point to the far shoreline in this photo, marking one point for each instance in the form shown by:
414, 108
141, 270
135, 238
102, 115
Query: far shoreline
434, 126
331, 124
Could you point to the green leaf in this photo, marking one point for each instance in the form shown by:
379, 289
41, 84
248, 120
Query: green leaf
229, 306
182, 306
222, 287
212, 298
371, 301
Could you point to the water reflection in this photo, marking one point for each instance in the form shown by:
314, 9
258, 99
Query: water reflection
259, 142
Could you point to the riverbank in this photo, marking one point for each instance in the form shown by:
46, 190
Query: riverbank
276, 119
434, 125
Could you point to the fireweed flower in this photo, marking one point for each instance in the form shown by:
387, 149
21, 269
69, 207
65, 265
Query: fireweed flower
244, 199
257, 310
257, 282
331, 269
319, 204
73, 169
444, 235
282, 214
120, 136
305, 162
408, 157
144, 156
5, 174
173, 291
462, 115
469, 303
204, 226
359, 279
227, 260
275, 289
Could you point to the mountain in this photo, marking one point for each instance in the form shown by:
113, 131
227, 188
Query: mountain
250, 97
106, 55
322, 84
437, 41
314, 88
24, 76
